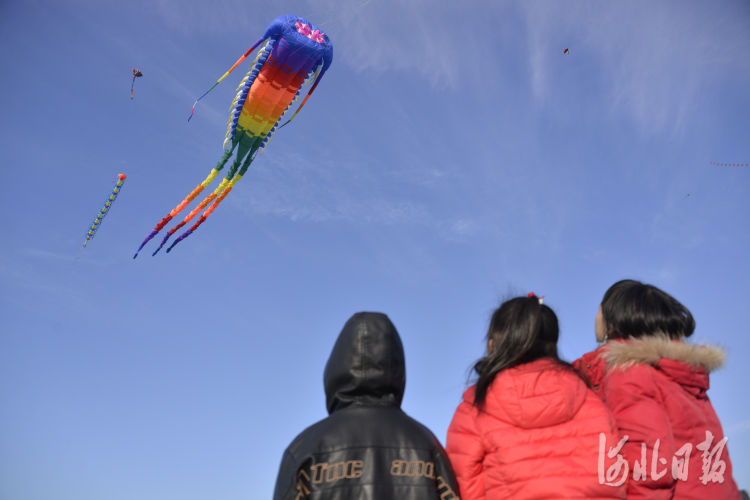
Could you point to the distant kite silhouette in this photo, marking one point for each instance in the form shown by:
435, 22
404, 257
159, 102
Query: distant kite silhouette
136, 74
718, 164
565, 51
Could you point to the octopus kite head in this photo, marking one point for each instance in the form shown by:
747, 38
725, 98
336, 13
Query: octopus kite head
304, 32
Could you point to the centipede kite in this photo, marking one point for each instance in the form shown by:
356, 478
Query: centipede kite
103, 211
293, 52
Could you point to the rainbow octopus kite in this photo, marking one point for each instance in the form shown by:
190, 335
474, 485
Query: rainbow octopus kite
294, 52
103, 211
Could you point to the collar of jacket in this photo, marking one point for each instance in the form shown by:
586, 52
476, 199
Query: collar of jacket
686, 364
650, 350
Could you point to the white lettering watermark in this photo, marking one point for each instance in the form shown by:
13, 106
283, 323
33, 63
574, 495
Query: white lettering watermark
616, 474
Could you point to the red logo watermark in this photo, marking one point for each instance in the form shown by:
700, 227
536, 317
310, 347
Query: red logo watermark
616, 474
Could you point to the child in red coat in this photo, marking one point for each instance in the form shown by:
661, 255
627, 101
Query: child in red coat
655, 384
530, 428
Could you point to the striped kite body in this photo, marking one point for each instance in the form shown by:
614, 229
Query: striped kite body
294, 51
103, 211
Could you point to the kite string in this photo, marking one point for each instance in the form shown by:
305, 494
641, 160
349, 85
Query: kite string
339, 18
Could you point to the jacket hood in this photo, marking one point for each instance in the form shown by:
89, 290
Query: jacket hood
687, 364
533, 395
366, 365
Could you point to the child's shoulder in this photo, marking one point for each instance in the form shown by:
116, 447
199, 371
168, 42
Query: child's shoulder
592, 367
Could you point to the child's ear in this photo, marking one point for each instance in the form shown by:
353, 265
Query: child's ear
490, 346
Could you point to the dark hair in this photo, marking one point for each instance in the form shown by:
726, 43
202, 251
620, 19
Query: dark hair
522, 330
634, 309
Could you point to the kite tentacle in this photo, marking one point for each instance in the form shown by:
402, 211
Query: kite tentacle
242, 58
205, 214
309, 93
190, 197
208, 199
244, 150
224, 192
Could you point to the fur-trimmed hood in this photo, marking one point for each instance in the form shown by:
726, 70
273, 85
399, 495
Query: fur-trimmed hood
651, 350
657, 389
687, 364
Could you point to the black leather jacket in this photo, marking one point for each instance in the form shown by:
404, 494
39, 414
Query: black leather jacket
367, 448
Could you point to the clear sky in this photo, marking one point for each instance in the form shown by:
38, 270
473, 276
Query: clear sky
451, 157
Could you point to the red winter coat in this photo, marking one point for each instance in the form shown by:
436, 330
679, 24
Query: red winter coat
537, 436
656, 390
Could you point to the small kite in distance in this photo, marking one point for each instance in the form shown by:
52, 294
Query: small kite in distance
565, 51
107, 204
719, 164
136, 74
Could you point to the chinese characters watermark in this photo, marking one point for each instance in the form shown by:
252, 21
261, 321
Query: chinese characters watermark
616, 474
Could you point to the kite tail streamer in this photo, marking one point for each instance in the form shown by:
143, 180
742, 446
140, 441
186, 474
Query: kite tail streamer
244, 56
242, 151
224, 192
177, 210
205, 214
103, 211
203, 204
193, 194
192, 110
131, 87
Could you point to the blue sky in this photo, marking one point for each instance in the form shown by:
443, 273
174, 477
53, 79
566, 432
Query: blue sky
451, 157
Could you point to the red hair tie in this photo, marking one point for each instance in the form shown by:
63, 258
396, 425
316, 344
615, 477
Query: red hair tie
541, 299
